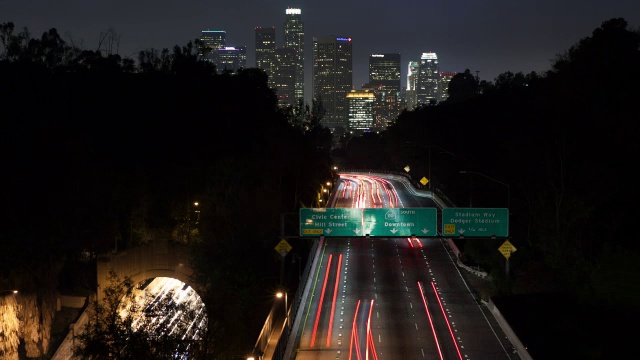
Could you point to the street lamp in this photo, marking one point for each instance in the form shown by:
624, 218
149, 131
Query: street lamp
436, 146
295, 256
197, 212
428, 147
490, 178
280, 295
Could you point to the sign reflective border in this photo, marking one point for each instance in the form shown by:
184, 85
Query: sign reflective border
400, 221
387, 222
331, 222
475, 222
506, 249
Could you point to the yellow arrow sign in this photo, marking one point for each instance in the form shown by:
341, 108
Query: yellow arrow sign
506, 249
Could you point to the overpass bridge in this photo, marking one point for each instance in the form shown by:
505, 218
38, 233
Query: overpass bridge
158, 258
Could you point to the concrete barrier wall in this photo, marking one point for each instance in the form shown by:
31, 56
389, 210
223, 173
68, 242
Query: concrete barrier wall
75, 302
511, 335
65, 350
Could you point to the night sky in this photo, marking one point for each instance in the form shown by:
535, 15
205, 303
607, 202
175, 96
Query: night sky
489, 36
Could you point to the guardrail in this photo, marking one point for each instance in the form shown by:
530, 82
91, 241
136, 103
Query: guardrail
268, 328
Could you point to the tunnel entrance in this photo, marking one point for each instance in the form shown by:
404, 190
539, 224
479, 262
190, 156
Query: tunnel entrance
167, 311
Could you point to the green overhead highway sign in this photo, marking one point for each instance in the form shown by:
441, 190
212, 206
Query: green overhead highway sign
475, 222
400, 221
330, 222
388, 222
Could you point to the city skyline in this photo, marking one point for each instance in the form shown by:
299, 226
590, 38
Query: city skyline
489, 38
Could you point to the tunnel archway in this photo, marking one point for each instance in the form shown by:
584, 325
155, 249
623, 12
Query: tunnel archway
158, 258
164, 292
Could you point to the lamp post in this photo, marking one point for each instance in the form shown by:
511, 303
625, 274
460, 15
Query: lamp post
295, 256
490, 178
428, 147
446, 151
279, 295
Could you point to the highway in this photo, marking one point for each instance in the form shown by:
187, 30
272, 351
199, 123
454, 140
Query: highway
392, 298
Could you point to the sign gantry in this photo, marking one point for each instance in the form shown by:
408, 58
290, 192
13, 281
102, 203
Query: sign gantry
391, 222
386, 222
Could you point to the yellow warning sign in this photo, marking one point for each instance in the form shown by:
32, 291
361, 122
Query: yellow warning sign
424, 181
283, 247
311, 231
506, 249
449, 229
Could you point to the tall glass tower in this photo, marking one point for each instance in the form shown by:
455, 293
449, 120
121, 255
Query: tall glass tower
284, 71
266, 51
333, 78
360, 111
294, 38
428, 79
231, 59
384, 70
211, 41
412, 85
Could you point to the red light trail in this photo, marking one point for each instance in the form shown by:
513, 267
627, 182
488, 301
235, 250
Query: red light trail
324, 287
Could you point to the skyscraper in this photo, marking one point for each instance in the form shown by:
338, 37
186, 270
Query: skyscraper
231, 58
294, 38
284, 73
266, 51
333, 78
211, 41
384, 78
428, 79
445, 78
360, 111
384, 69
412, 85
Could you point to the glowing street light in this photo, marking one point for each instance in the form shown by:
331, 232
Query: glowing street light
8, 292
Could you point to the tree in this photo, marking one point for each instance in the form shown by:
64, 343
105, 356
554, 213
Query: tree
111, 334
463, 86
510, 81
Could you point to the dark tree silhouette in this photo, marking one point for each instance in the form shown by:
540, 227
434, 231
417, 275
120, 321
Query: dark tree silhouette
463, 86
